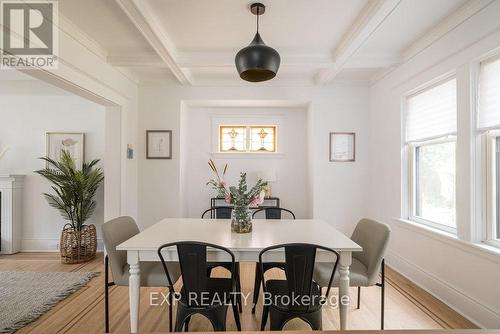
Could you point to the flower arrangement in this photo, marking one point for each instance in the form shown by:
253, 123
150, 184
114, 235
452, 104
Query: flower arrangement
241, 197
217, 183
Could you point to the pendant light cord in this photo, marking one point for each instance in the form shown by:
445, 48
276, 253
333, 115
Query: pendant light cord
258, 14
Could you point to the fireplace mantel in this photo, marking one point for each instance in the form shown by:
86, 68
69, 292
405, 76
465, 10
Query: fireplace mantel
11, 201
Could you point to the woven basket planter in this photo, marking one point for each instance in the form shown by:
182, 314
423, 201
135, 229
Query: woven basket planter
78, 246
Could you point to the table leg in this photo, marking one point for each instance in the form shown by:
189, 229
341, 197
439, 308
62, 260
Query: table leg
134, 289
344, 299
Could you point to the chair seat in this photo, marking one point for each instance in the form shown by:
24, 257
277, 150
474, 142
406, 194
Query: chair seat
357, 274
225, 265
152, 274
270, 265
218, 294
278, 288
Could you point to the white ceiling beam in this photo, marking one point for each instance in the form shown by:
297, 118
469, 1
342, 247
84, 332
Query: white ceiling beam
140, 60
453, 20
371, 17
148, 25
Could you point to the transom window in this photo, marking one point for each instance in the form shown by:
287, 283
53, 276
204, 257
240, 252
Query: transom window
431, 126
253, 138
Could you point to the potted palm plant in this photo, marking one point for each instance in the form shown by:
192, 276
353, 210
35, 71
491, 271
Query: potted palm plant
74, 192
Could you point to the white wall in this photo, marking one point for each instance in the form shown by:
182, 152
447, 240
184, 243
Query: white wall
23, 123
460, 274
338, 189
289, 163
84, 71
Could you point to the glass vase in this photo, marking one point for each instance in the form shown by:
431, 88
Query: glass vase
241, 219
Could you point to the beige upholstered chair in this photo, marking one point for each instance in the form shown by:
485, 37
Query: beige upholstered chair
114, 232
366, 265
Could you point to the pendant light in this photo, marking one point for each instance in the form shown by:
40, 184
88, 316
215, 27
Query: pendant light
257, 62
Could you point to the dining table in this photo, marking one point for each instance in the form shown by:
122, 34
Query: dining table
144, 246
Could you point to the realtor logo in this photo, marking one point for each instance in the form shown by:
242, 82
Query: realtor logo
29, 34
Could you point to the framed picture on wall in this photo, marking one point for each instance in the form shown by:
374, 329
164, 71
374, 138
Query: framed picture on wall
158, 144
342, 146
73, 142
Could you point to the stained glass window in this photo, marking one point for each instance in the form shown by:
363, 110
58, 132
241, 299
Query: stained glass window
232, 139
263, 138
254, 138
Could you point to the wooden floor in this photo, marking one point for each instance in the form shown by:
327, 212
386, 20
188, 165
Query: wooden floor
407, 306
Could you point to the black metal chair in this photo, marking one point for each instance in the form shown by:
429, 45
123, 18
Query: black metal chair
304, 296
270, 213
273, 213
201, 294
224, 212
218, 212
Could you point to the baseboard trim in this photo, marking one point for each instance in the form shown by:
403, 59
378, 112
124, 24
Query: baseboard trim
47, 245
470, 308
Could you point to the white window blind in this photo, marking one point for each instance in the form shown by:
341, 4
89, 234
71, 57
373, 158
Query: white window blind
432, 113
489, 94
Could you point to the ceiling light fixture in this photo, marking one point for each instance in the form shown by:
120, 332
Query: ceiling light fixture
257, 62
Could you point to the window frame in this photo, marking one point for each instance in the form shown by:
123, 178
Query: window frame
248, 140
490, 174
412, 183
249, 130
221, 129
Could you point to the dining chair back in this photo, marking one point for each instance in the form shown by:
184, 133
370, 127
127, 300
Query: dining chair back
219, 212
373, 237
304, 294
114, 232
273, 213
201, 294
270, 213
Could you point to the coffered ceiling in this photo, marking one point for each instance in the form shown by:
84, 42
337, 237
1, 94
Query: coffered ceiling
320, 41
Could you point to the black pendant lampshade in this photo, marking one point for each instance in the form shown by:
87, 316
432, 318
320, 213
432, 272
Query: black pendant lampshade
257, 62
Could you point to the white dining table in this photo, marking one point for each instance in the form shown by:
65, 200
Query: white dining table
246, 247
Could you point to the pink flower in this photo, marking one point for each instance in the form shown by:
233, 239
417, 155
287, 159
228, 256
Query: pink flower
227, 198
258, 200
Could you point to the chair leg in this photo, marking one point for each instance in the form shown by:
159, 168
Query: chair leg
382, 297
265, 314
256, 287
106, 295
170, 313
359, 297
236, 313
238, 288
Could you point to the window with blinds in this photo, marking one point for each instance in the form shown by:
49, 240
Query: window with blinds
488, 110
432, 113
431, 126
488, 124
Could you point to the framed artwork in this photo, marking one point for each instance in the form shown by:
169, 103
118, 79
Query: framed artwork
73, 142
342, 146
158, 144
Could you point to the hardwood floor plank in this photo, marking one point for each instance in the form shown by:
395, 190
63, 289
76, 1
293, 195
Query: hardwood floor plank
407, 306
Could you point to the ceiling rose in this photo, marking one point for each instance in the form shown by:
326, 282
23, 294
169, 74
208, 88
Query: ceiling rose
257, 62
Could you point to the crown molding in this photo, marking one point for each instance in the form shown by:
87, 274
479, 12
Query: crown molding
453, 20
